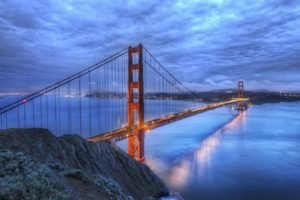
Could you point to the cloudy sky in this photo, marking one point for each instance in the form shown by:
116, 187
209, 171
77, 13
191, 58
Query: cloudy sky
207, 44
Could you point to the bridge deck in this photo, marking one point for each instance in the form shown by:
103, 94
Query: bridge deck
125, 132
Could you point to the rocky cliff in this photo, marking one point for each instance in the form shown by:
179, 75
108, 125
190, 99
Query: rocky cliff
34, 164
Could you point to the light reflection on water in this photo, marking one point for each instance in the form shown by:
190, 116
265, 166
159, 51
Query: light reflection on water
219, 155
183, 172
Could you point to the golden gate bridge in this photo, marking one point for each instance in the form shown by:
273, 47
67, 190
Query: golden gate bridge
120, 97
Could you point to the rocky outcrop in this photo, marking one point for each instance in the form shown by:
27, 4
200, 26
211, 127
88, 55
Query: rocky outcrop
85, 170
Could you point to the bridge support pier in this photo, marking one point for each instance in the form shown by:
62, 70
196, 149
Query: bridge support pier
136, 102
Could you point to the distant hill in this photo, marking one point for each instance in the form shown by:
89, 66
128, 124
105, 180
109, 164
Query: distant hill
256, 97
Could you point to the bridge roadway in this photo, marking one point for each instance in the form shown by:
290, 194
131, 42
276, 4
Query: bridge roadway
126, 132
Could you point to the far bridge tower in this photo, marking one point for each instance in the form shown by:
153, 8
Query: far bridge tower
241, 105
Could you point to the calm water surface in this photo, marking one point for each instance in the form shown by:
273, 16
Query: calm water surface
224, 155
84, 116
221, 154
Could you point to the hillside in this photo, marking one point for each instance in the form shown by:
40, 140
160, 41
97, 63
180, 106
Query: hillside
256, 97
37, 165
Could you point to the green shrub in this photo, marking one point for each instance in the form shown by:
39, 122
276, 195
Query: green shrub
22, 178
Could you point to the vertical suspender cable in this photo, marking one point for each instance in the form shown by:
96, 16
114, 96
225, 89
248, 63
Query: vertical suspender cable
33, 113
97, 95
80, 123
112, 89
47, 109
59, 111
18, 117
117, 95
70, 97
25, 124
6, 124
55, 110
69, 110
107, 98
125, 82
90, 111
41, 110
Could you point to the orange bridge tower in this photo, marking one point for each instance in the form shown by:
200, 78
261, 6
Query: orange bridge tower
136, 102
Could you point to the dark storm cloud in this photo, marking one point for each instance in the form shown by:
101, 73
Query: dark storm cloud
207, 44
